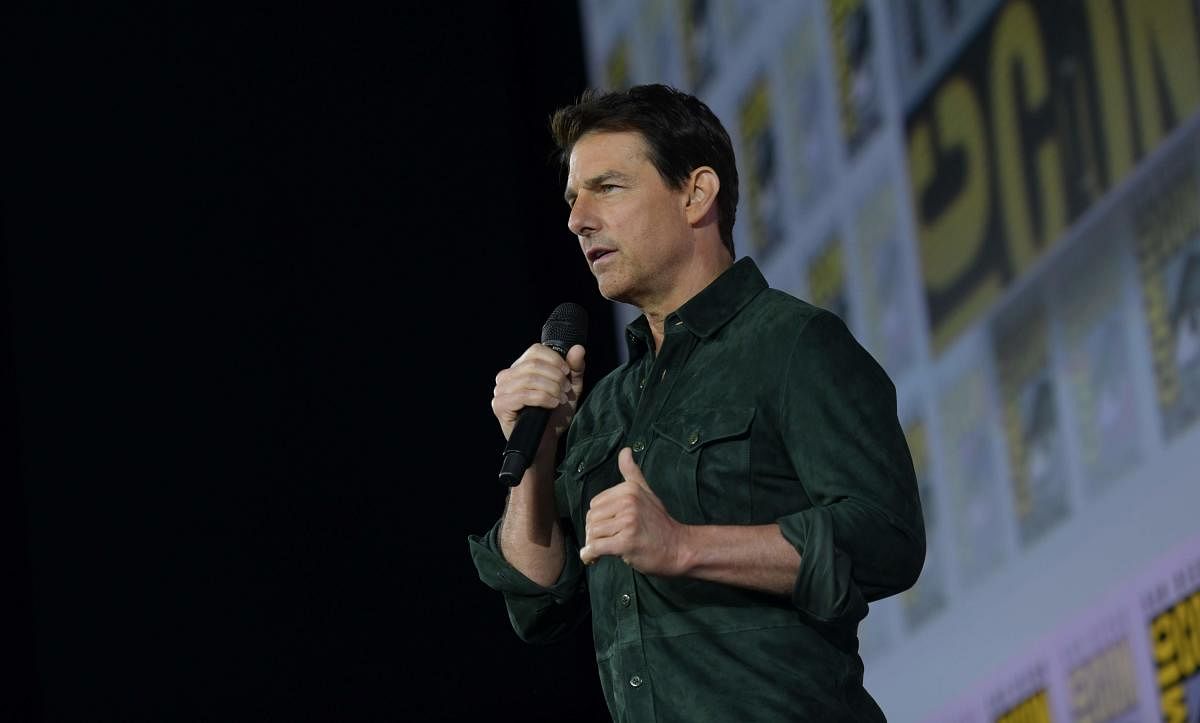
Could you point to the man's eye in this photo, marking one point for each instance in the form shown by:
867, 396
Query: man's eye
606, 187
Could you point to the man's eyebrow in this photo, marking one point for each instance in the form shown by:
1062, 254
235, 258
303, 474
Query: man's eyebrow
597, 180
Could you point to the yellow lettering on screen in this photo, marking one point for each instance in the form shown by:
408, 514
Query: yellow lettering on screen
1035, 709
1174, 705
1195, 608
951, 241
1110, 81
1162, 44
1017, 48
1164, 650
1187, 638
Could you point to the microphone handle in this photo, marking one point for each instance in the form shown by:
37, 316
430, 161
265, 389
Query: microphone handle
523, 444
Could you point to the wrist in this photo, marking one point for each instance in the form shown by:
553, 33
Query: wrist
686, 549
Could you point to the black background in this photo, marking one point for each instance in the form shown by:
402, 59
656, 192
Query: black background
260, 270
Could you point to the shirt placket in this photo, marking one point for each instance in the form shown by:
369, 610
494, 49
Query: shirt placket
654, 388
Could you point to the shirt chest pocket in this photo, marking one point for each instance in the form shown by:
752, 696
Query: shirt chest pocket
589, 466
704, 457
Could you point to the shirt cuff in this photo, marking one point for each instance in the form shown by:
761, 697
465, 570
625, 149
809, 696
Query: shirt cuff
825, 591
498, 574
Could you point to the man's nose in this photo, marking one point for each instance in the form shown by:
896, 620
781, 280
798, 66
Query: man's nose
582, 221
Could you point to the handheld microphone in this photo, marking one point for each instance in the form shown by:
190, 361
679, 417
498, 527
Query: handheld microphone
566, 327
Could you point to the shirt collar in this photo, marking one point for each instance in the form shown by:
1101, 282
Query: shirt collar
709, 310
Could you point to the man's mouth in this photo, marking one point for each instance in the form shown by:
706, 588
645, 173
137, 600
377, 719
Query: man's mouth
596, 253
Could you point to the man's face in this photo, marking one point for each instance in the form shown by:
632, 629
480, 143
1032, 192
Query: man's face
631, 226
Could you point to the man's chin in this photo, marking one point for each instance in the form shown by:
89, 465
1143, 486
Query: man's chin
613, 292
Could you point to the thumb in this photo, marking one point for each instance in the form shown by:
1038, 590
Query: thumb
629, 469
575, 360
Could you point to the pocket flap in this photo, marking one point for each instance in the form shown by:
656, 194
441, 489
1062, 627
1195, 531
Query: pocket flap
694, 428
588, 453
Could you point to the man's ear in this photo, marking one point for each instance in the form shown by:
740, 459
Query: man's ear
702, 187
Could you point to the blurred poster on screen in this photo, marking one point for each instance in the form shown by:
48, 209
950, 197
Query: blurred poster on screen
925, 599
760, 165
1167, 229
1037, 466
977, 510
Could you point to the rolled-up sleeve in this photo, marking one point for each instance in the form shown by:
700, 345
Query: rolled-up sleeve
538, 614
864, 537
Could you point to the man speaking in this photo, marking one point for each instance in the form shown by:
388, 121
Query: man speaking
732, 497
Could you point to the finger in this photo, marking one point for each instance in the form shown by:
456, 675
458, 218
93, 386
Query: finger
629, 469
587, 555
593, 551
513, 399
609, 501
510, 404
530, 383
532, 377
541, 352
536, 367
607, 527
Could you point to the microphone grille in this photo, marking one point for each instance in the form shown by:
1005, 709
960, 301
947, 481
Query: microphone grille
567, 326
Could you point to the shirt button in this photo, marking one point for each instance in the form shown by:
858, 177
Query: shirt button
636, 681
642, 384
693, 437
579, 468
638, 446
625, 600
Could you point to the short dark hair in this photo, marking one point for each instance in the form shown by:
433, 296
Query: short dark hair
681, 132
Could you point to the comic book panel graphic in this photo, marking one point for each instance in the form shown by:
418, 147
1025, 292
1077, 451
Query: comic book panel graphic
700, 41
978, 520
1101, 673
1099, 376
805, 103
888, 318
827, 279
1031, 422
922, 601
1167, 229
856, 70
760, 170
1171, 608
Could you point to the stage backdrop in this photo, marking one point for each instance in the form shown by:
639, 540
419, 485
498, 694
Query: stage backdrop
1002, 200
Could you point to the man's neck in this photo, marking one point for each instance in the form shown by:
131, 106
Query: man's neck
657, 313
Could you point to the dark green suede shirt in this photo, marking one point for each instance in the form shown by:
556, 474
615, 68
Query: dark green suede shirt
758, 409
